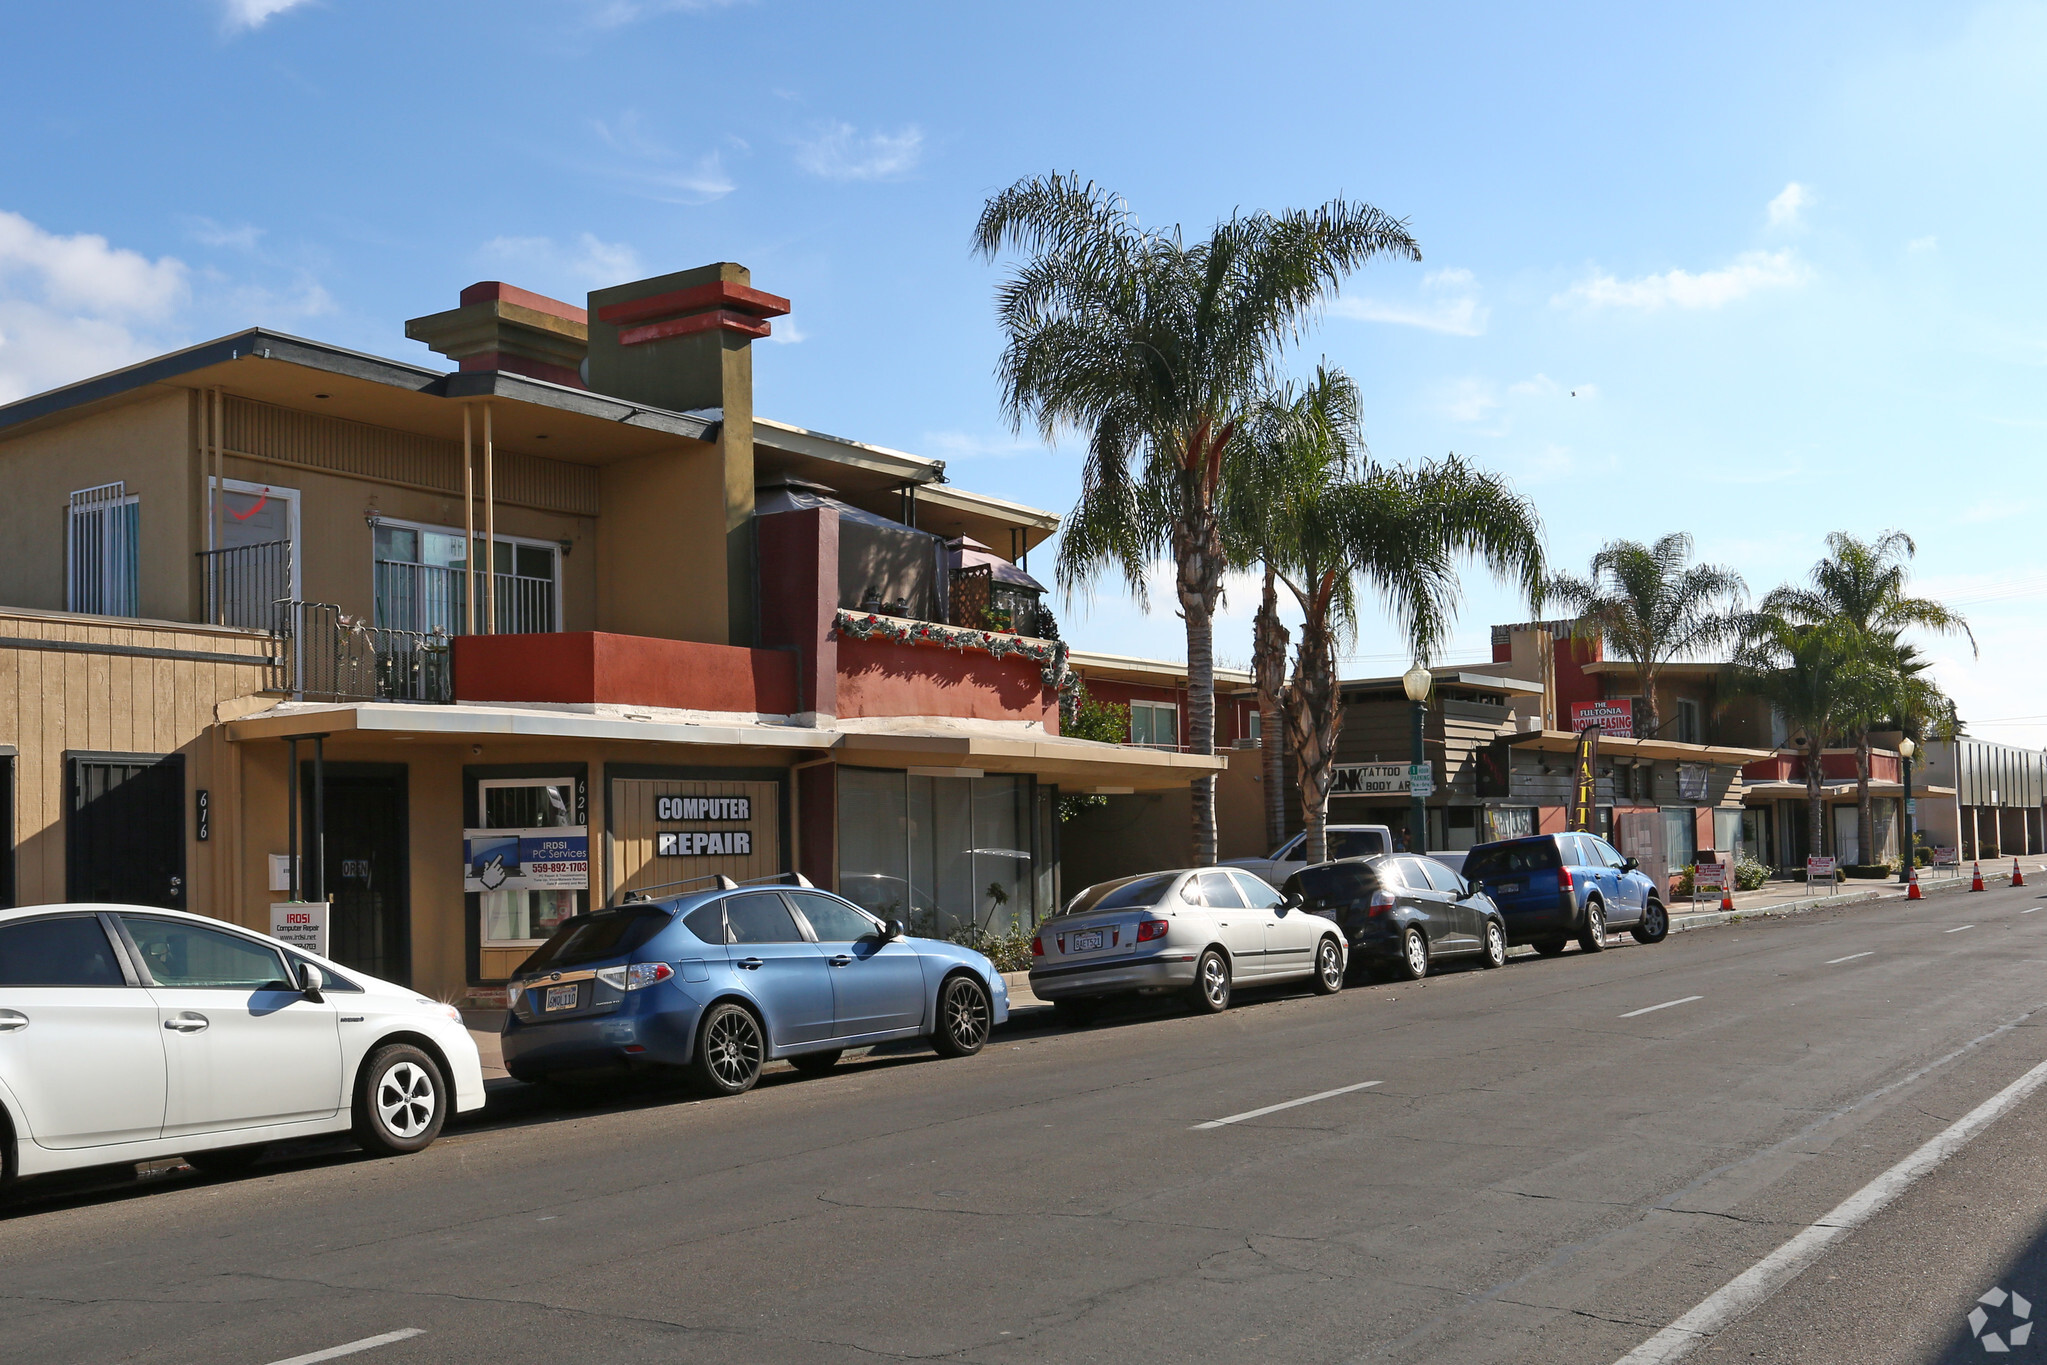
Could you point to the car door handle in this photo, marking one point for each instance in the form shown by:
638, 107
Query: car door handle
752, 964
188, 1022
842, 960
12, 1021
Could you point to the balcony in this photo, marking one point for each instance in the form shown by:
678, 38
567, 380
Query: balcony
328, 655
424, 598
247, 585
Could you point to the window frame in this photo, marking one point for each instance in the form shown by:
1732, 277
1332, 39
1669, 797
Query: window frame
484, 785
98, 511
553, 547
147, 978
805, 924
123, 959
1151, 710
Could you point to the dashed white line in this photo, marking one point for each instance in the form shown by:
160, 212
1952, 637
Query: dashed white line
2028, 912
350, 1348
1776, 1270
1275, 1108
1836, 961
1958, 928
1651, 1009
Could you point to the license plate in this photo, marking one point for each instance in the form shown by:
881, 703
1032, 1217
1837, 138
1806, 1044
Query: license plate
1084, 943
560, 998
1509, 888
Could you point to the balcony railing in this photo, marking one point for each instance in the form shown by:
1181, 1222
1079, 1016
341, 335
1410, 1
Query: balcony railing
980, 603
246, 584
423, 598
329, 656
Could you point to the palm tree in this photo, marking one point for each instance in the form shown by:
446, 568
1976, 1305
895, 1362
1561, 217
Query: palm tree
1652, 608
1157, 349
1810, 676
1327, 519
1860, 588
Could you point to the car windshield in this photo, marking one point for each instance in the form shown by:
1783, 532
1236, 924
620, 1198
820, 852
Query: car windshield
601, 934
1501, 860
1333, 884
1355, 843
1143, 891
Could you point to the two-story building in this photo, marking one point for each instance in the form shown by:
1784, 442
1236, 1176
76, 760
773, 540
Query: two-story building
458, 653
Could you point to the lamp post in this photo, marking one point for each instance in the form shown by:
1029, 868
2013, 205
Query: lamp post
1416, 683
1906, 748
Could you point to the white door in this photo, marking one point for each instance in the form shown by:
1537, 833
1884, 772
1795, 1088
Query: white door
1241, 929
261, 522
1290, 936
1847, 835
243, 1047
79, 1047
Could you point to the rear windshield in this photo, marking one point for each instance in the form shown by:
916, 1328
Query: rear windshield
1355, 843
1502, 860
601, 934
1333, 884
1143, 891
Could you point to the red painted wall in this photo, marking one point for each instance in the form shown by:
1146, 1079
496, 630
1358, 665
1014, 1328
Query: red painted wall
1835, 766
1574, 684
799, 576
884, 678
1229, 711
627, 670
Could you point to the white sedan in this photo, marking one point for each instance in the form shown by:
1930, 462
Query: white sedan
1201, 932
129, 1034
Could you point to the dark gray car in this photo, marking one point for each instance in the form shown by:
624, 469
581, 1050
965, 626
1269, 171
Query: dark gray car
1403, 912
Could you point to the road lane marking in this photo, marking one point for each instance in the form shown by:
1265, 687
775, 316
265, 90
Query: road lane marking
1836, 961
2028, 912
1272, 1109
1651, 1009
350, 1348
1958, 928
1781, 1266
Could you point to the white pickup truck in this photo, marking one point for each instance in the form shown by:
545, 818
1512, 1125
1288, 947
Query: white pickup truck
1345, 841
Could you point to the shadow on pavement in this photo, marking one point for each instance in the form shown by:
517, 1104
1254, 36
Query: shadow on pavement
2013, 1311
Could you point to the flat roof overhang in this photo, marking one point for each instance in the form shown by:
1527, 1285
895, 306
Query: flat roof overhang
1564, 742
1149, 672
1081, 764
1760, 792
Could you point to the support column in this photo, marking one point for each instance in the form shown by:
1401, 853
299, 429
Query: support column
468, 529
490, 530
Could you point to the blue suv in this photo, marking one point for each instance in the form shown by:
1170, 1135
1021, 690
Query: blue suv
1552, 888
722, 981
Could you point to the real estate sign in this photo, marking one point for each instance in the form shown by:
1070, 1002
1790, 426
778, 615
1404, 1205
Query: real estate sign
1616, 718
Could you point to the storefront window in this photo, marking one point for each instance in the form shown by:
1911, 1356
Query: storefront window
939, 853
527, 914
1680, 836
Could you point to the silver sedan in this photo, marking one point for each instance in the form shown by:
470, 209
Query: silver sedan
1200, 932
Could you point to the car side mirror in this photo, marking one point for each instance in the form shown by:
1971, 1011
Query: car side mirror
310, 980
891, 929
1292, 900
1629, 864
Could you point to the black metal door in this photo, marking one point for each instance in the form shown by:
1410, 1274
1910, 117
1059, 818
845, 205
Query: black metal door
368, 876
124, 832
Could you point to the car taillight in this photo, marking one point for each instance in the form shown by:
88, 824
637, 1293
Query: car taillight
1563, 879
1149, 929
636, 976
1037, 947
1381, 902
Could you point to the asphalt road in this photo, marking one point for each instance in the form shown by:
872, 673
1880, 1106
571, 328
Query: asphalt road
1544, 1169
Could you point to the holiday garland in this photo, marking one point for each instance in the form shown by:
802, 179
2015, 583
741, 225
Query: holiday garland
1049, 655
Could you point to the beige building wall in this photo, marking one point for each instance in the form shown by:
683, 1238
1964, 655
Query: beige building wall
662, 556
146, 443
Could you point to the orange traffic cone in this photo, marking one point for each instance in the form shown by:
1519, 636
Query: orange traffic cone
1977, 885
1727, 894
1912, 887
2018, 878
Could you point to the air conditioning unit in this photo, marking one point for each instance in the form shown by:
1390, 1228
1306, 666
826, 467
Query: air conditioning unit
1248, 744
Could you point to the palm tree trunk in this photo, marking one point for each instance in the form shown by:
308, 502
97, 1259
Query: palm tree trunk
1816, 837
1314, 720
1648, 683
1268, 671
1865, 815
1198, 550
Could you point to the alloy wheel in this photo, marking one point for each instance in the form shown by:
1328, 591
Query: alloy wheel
733, 1047
966, 1015
1215, 981
406, 1099
1329, 963
1495, 945
1417, 955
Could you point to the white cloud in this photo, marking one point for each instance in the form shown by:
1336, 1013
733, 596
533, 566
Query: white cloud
660, 173
83, 272
1793, 200
1926, 243
588, 261
206, 232
787, 333
1468, 400
614, 13
1751, 271
1450, 304
248, 14
966, 445
841, 152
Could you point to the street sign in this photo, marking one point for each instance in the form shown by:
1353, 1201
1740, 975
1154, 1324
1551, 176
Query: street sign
1912, 806
1421, 780
302, 924
1820, 868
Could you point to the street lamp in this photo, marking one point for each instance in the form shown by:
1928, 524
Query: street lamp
1906, 748
1416, 682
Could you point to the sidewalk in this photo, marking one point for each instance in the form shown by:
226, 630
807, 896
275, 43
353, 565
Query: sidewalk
1792, 898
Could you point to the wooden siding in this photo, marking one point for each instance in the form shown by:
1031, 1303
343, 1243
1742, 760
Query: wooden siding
264, 431
634, 865
59, 701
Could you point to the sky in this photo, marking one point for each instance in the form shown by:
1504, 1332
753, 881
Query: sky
1756, 273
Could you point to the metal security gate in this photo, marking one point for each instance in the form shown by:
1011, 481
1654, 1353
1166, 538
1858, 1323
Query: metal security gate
124, 829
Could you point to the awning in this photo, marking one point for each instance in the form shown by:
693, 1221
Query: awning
1776, 790
1610, 746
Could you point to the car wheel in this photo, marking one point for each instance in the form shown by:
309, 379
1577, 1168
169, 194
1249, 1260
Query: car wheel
1211, 993
730, 1050
1655, 925
1495, 954
400, 1101
1413, 963
1076, 1013
964, 1017
224, 1161
1551, 947
1328, 978
1593, 937
816, 1063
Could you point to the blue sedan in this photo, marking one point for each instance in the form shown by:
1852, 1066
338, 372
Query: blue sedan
722, 981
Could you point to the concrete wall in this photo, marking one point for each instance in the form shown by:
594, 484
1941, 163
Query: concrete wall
628, 670
884, 678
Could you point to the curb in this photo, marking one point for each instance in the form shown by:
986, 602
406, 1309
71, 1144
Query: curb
1712, 918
